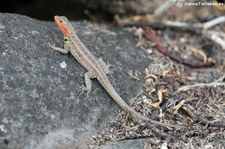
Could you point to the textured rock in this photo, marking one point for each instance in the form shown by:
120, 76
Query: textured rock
39, 87
121, 7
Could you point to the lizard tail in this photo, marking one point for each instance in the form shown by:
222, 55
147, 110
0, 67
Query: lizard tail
113, 93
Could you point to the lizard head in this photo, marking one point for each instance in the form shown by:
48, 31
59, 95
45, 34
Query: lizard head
62, 22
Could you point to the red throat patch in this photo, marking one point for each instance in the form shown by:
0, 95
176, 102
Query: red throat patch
62, 26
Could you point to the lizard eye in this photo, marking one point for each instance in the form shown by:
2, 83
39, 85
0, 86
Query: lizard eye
60, 21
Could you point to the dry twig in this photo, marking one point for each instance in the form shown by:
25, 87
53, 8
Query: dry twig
200, 85
197, 28
166, 52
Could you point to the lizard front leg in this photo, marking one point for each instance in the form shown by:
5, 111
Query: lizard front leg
64, 50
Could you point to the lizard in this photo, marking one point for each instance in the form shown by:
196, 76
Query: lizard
95, 68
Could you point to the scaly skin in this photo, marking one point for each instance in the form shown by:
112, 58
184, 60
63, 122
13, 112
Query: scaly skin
96, 68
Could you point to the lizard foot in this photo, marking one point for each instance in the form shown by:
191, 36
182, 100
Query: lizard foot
51, 45
105, 66
108, 70
82, 90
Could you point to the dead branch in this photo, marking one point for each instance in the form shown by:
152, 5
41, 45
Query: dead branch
149, 35
199, 85
197, 28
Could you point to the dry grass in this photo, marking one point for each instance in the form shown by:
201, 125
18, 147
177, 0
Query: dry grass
201, 109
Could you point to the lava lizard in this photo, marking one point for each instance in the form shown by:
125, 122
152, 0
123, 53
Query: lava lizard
96, 68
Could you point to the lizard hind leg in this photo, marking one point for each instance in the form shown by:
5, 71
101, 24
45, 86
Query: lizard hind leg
104, 66
87, 79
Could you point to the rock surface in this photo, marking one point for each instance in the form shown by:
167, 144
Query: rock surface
39, 87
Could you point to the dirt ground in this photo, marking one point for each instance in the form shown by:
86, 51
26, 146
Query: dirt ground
184, 84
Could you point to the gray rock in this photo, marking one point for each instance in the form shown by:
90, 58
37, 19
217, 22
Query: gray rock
123, 7
40, 106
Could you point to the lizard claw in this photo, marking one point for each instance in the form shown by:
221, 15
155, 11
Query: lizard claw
108, 71
51, 45
82, 90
